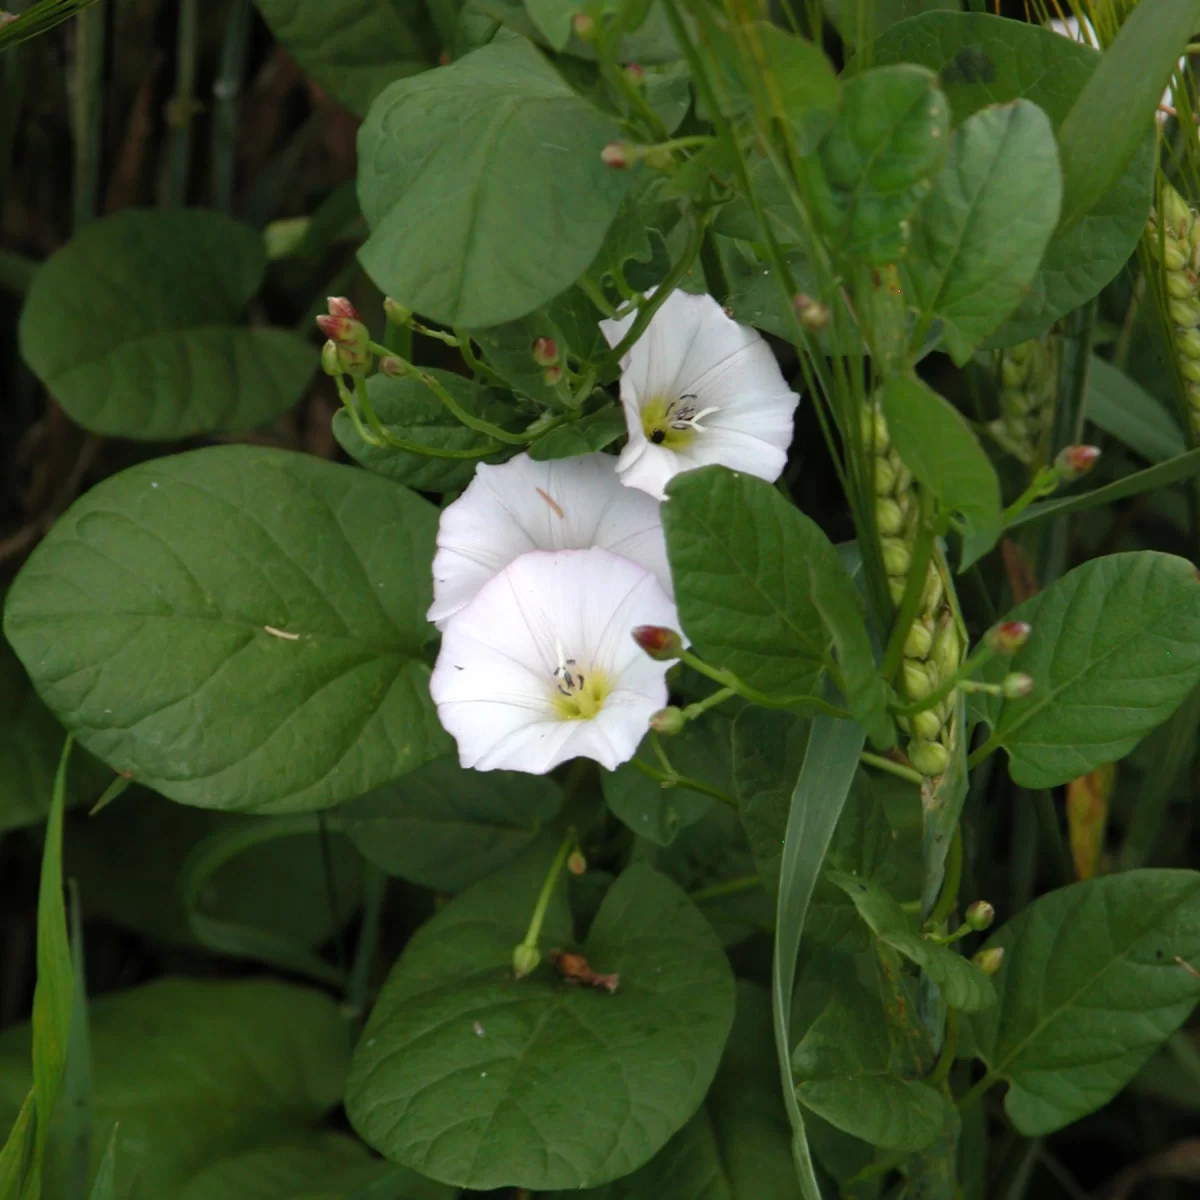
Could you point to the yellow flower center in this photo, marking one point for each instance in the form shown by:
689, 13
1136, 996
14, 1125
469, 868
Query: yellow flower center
672, 423
577, 696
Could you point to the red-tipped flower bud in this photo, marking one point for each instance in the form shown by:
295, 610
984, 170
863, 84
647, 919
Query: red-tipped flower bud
661, 643
545, 352
339, 306
1073, 462
576, 863
668, 720
980, 915
1008, 637
584, 26
394, 367
636, 73
345, 331
1017, 685
617, 155
552, 376
989, 960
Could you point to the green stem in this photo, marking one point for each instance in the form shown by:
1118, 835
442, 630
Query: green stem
941, 1069
375, 885
961, 678
980, 753
951, 881
910, 602
88, 110
569, 843
182, 104
474, 363
398, 340
727, 887
1047, 819
676, 780
1044, 482
728, 680
714, 269
893, 768
972, 1095
226, 91
471, 422
702, 706
596, 295
659, 753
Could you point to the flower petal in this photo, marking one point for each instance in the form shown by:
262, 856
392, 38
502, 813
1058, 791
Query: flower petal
523, 505
494, 683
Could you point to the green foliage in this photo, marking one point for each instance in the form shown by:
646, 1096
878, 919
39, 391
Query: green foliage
131, 325
499, 149
469, 1075
252, 573
1091, 985
1121, 408
445, 828
1116, 644
982, 60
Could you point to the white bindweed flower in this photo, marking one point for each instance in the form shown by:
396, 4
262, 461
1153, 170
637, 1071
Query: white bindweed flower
540, 667
699, 388
523, 505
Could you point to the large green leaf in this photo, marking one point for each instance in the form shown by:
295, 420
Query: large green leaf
132, 326
237, 627
1099, 138
355, 48
412, 412
1121, 408
277, 885
308, 1166
473, 1077
962, 983
872, 167
939, 447
1091, 986
737, 1146
192, 1072
983, 59
1115, 649
980, 234
469, 173
442, 827
762, 592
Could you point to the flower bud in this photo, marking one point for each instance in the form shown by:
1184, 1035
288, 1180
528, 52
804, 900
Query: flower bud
394, 367
1017, 685
885, 477
1179, 286
585, 27
947, 649
525, 959
889, 517
917, 682
930, 758
989, 960
668, 720
813, 314
617, 155
545, 352
896, 587
1007, 637
661, 643
346, 331
576, 863
339, 306
931, 597
552, 376
927, 724
1174, 255
980, 915
636, 73
1073, 462
1187, 341
897, 557
331, 361
1184, 312
395, 312
919, 640
1189, 368
1175, 212
874, 430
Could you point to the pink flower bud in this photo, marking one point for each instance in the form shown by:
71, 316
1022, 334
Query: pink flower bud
661, 643
668, 720
1008, 637
617, 155
813, 314
1017, 685
1074, 462
334, 328
576, 863
584, 26
545, 352
552, 376
339, 306
636, 73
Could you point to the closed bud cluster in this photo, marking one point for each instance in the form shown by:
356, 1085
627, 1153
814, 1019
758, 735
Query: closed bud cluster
341, 325
1028, 377
1073, 462
668, 720
934, 646
1181, 269
980, 916
337, 359
1008, 637
661, 643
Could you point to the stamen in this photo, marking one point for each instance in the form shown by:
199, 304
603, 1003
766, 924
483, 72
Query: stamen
574, 697
552, 502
